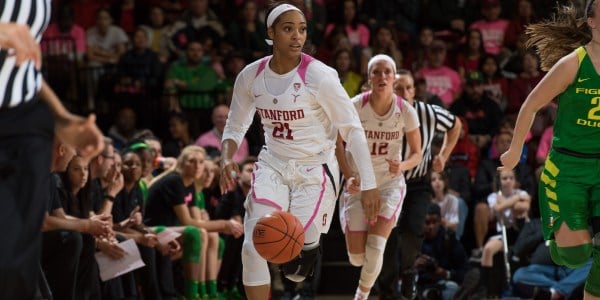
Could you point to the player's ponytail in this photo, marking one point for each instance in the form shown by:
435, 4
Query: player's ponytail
565, 32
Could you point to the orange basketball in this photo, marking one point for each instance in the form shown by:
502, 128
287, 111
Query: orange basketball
278, 237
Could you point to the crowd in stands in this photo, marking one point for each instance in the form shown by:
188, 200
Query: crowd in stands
160, 73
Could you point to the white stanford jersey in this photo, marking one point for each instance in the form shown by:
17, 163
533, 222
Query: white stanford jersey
302, 122
385, 133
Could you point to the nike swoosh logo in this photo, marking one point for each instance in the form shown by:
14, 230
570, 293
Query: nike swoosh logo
582, 79
256, 96
310, 169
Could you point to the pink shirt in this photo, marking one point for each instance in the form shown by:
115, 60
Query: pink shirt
210, 139
77, 33
443, 82
545, 143
357, 37
492, 33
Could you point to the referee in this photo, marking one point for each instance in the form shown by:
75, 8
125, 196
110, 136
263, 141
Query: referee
409, 235
30, 116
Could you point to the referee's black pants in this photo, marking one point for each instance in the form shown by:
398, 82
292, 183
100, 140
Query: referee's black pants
404, 244
26, 137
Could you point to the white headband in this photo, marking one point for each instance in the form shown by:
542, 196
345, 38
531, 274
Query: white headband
275, 13
380, 57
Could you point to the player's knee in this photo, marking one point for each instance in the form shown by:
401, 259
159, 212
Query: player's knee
356, 259
573, 256
192, 243
373, 260
302, 266
592, 283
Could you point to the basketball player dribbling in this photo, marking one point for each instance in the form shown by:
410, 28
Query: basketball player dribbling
302, 106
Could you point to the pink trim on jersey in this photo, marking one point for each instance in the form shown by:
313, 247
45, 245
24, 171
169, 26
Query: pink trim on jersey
312, 218
262, 65
365, 98
262, 200
402, 195
303, 68
399, 102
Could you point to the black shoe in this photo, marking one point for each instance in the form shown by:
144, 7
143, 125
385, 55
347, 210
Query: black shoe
469, 285
408, 290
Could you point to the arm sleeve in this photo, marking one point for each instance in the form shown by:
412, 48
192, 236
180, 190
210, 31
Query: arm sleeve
174, 191
241, 111
343, 115
410, 117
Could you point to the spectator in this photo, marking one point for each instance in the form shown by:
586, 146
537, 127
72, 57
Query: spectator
128, 14
139, 67
358, 34
124, 130
482, 114
211, 140
447, 202
156, 30
191, 86
468, 60
495, 86
442, 263
67, 32
343, 63
180, 135
441, 80
384, 41
525, 82
105, 41
492, 27
248, 34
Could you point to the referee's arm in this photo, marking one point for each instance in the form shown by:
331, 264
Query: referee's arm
452, 135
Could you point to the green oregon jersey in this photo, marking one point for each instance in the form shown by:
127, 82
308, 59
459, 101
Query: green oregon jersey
577, 125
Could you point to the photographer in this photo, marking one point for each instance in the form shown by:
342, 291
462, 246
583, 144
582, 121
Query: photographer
443, 260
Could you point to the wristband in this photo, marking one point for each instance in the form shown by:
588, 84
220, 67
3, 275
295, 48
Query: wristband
109, 197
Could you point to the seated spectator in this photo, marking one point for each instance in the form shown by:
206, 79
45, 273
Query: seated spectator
525, 82
509, 207
468, 59
442, 263
105, 41
232, 206
211, 140
197, 21
465, 152
384, 41
482, 114
139, 68
342, 62
447, 202
124, 129
171, 203
191, 87
358, 34
441, 80
492, 26
64, 36
62, 240
495, 86
248, 34
156, 30
539, 277
180, 137
417, 56
484, 183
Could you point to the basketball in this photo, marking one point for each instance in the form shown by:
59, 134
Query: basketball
278, 237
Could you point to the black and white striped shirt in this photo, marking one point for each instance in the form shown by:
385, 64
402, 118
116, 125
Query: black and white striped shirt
432, 119
20, 84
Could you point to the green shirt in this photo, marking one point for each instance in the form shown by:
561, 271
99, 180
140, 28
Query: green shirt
577, 125
202, 82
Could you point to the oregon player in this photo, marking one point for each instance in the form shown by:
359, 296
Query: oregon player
569, 190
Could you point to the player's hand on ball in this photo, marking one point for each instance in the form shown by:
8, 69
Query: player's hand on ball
371, 203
